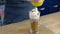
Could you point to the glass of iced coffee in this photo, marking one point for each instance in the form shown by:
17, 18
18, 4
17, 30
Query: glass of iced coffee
34, 18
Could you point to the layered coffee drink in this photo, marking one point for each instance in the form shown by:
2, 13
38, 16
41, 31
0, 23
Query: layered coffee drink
34, 25
34, 18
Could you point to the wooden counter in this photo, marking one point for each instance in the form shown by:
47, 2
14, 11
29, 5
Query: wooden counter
46, 25
22, 28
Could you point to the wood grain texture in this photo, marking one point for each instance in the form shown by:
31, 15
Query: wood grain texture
52, 22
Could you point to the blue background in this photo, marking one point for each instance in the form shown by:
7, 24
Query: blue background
46, 8
48, 5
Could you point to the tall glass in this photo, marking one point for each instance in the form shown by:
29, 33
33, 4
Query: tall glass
34, 18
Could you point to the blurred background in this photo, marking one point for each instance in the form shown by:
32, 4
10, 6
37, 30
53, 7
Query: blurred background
49, 6
2, 6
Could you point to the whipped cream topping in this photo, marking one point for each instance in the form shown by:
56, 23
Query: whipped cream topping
34, 14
